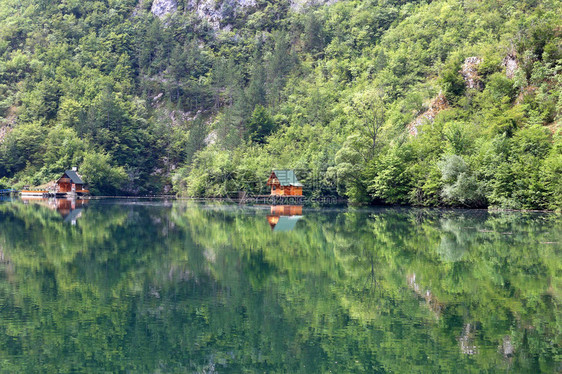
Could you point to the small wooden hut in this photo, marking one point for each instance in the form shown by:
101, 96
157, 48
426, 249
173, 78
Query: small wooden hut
69, 183
284, 183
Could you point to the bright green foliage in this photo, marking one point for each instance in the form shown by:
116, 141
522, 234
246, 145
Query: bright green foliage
451, 79
332, 91
260, 125
551, 178
102, 177
514, 170
367, 155
348, 172
212, 175
23, 148
391, 181
460, 186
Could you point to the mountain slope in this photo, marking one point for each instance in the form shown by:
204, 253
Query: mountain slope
206, 97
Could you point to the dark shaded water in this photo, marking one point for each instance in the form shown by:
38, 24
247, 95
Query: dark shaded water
154, 286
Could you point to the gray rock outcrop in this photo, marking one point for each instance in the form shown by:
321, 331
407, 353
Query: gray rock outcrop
215, 11
301, 4
163, 8
438, 104
510, 64
469, 72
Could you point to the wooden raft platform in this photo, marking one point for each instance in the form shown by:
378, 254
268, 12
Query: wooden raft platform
44, 193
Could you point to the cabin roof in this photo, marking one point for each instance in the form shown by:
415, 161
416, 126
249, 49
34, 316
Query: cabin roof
73, 177
287, 178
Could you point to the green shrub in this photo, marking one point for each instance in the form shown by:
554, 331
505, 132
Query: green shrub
101, 176
392, 182
460, 186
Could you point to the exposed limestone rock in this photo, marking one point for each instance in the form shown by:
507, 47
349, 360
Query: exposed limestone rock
510, 64
245, 3
469, 72
211, 138
4, 130
163, 8
7, 125
438, 104
208, 10
301, 4
158, 97
175, 117
180, 118
215, 11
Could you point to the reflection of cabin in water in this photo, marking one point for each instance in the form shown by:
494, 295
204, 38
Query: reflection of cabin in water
69, 209
284, 183
284, 217
70, 183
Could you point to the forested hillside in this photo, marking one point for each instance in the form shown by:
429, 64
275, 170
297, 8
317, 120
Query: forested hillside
429, 103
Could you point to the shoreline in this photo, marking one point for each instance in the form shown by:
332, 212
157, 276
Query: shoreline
333, 201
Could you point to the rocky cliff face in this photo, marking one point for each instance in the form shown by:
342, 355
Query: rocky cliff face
162, 8
438, 104
7, 125
469, 72
214, 11
302, 4
510, 64
4, 130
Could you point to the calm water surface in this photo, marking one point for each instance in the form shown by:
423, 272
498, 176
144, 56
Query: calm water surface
172, 286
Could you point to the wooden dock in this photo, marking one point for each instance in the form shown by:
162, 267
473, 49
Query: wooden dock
45, 193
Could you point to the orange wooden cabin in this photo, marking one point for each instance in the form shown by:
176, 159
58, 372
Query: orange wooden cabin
70, 182
284, 183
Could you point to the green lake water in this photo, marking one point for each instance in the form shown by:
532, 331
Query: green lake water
161, 286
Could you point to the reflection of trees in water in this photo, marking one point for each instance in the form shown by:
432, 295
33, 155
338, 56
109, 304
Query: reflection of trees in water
214, 287
431, 301
399, 241
467, 340
456, 239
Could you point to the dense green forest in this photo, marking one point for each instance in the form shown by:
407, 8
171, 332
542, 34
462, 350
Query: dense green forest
429, 103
